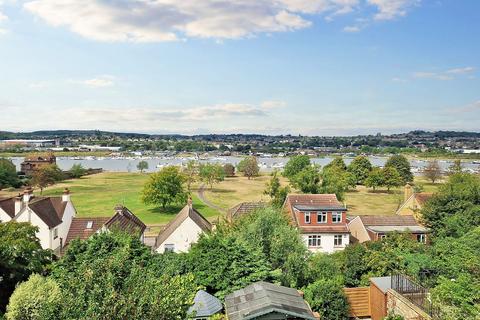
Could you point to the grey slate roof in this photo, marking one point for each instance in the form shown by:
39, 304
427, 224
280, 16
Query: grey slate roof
244, 208
382, 283
262, 298
205, 305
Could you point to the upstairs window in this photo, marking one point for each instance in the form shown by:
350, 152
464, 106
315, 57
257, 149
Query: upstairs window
55, 233
314, 240
336, 217
169, 247
321, 217
337, 240
422, 238
307, 217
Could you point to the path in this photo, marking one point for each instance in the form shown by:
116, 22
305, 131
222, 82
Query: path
201, 196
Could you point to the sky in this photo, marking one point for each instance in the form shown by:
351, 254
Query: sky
310, 67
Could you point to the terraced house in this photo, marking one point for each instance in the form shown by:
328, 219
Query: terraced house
321, 219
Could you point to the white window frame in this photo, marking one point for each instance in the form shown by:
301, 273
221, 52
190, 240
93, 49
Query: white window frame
314, 241
336, 238
422, 237
336, 214
322, 214
308, 218
55, 233
169, 247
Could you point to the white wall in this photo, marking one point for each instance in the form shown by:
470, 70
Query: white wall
4, 217
327, 242
183, 237
43, 233
66, 222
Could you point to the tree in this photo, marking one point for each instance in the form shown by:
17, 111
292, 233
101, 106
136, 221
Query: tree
190, 172
328, 299
307, 180
77, 171
38, 298
275, 191
8, 174
335, 180
229, 170
142, 165
165, 187
211, 173
20, 255
391, 178
270, 230
47, 175
360, 167
249, 167
375, 179
337, 162
295, 165
222, 263
432, 171
402, 165
455, 167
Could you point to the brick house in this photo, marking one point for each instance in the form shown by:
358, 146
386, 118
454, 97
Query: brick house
321, 219
35, 162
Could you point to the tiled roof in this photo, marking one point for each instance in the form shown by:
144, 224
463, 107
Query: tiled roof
314, 201
49, 209
126, 221
244, 208
186, 212
423, 197
8, 205
78, 228
262, 298
390, 220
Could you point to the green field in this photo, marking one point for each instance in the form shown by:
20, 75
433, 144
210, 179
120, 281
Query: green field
96, 195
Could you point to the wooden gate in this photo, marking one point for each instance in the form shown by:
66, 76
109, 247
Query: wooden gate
359, 301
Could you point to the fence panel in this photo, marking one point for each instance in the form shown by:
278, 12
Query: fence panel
359, 301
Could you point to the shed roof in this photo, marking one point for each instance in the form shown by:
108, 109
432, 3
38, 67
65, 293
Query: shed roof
205, 305
382, 283
244, 208
261, 298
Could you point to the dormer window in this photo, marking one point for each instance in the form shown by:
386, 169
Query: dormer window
307, 217
322, 217
336, 217
89, 224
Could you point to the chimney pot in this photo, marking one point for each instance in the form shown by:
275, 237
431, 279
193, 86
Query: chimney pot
190, 202
66, 195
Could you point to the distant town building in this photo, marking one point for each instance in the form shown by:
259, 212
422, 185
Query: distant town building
36, 161
321, 219
29, 143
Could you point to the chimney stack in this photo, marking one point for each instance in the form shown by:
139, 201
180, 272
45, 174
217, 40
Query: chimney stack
66, 195
119, 208
189, 202
27, 194
18, 203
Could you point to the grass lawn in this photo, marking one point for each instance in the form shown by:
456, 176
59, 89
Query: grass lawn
232, 191
96, 195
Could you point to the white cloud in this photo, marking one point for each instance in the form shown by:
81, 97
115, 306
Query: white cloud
171, 20
471, 107
391, 9
98, 82
273, 104
351, 29
444, 75
461, 70
397, 79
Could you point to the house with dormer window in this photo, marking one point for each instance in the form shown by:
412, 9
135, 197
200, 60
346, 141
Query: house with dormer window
321, 219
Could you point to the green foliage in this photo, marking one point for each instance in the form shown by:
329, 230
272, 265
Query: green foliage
375, 179
8, 174
269, 230
142, 165
275, 191
392, 316
249, 167
77, 171
295, 165
190, 172
46, 176
165, 187
391, 177
307, 180
211, 173
229, 170
402, 165
328, 299
322, 266
432, 171
360, 167
455, 209
338, 163
455, 167
20, 255
223, 263
335, 180
110, 276
38, 298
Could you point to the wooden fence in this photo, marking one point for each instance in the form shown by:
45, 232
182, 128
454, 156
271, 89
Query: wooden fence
359, 301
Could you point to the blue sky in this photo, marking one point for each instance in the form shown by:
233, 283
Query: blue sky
315, 67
